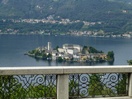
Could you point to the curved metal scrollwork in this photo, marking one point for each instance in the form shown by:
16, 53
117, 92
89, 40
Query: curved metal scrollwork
40, 79
80, 85
92, 85
27, 86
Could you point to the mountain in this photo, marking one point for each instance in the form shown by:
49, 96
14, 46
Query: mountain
114, 14
73, 9
123, 1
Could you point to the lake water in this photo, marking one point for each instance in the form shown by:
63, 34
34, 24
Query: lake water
13, 47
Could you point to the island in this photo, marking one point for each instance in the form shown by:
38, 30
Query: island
71, 53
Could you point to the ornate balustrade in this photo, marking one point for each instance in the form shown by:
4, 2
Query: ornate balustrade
74, 82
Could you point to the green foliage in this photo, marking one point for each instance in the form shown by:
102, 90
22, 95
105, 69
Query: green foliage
122, 85
32, 52
40, 54
73, 88
90, 49
10, 88
60, 59
49, 55
44, 56
85, 50
40, 91
110, 56
93, 50
47, 27
37, 53
105, 11
129, 62
96, 87
56, 48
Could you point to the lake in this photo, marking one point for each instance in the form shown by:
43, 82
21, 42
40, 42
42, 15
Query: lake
13, 47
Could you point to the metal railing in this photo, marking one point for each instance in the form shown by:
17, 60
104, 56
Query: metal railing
74, 82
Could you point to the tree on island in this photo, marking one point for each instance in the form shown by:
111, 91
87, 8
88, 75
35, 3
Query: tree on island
93, 50
110, 56
129, 62
56, 48
60, 59
90, 49
85, 50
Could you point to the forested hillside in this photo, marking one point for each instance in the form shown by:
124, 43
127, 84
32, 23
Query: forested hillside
115, 14
73, 9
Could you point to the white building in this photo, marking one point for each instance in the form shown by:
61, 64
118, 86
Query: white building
72, 46
61, 50
69, 51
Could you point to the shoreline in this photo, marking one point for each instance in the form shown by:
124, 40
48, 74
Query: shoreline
109, 36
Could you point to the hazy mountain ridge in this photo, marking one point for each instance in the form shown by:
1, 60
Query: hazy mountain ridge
73, 9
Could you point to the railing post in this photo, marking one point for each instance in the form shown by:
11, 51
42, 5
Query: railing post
130, 85
62, 87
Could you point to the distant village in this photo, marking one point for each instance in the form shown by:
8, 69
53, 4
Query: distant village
50, 20
71, 53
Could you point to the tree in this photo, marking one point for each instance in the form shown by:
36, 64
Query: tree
44, 56
93, 50
110, 56
96, 87
56, 48
41, 91
90, 49
73, 88
49, 55
121, 87
85, 50
37, 53
10, 88
129, 62
60, 59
